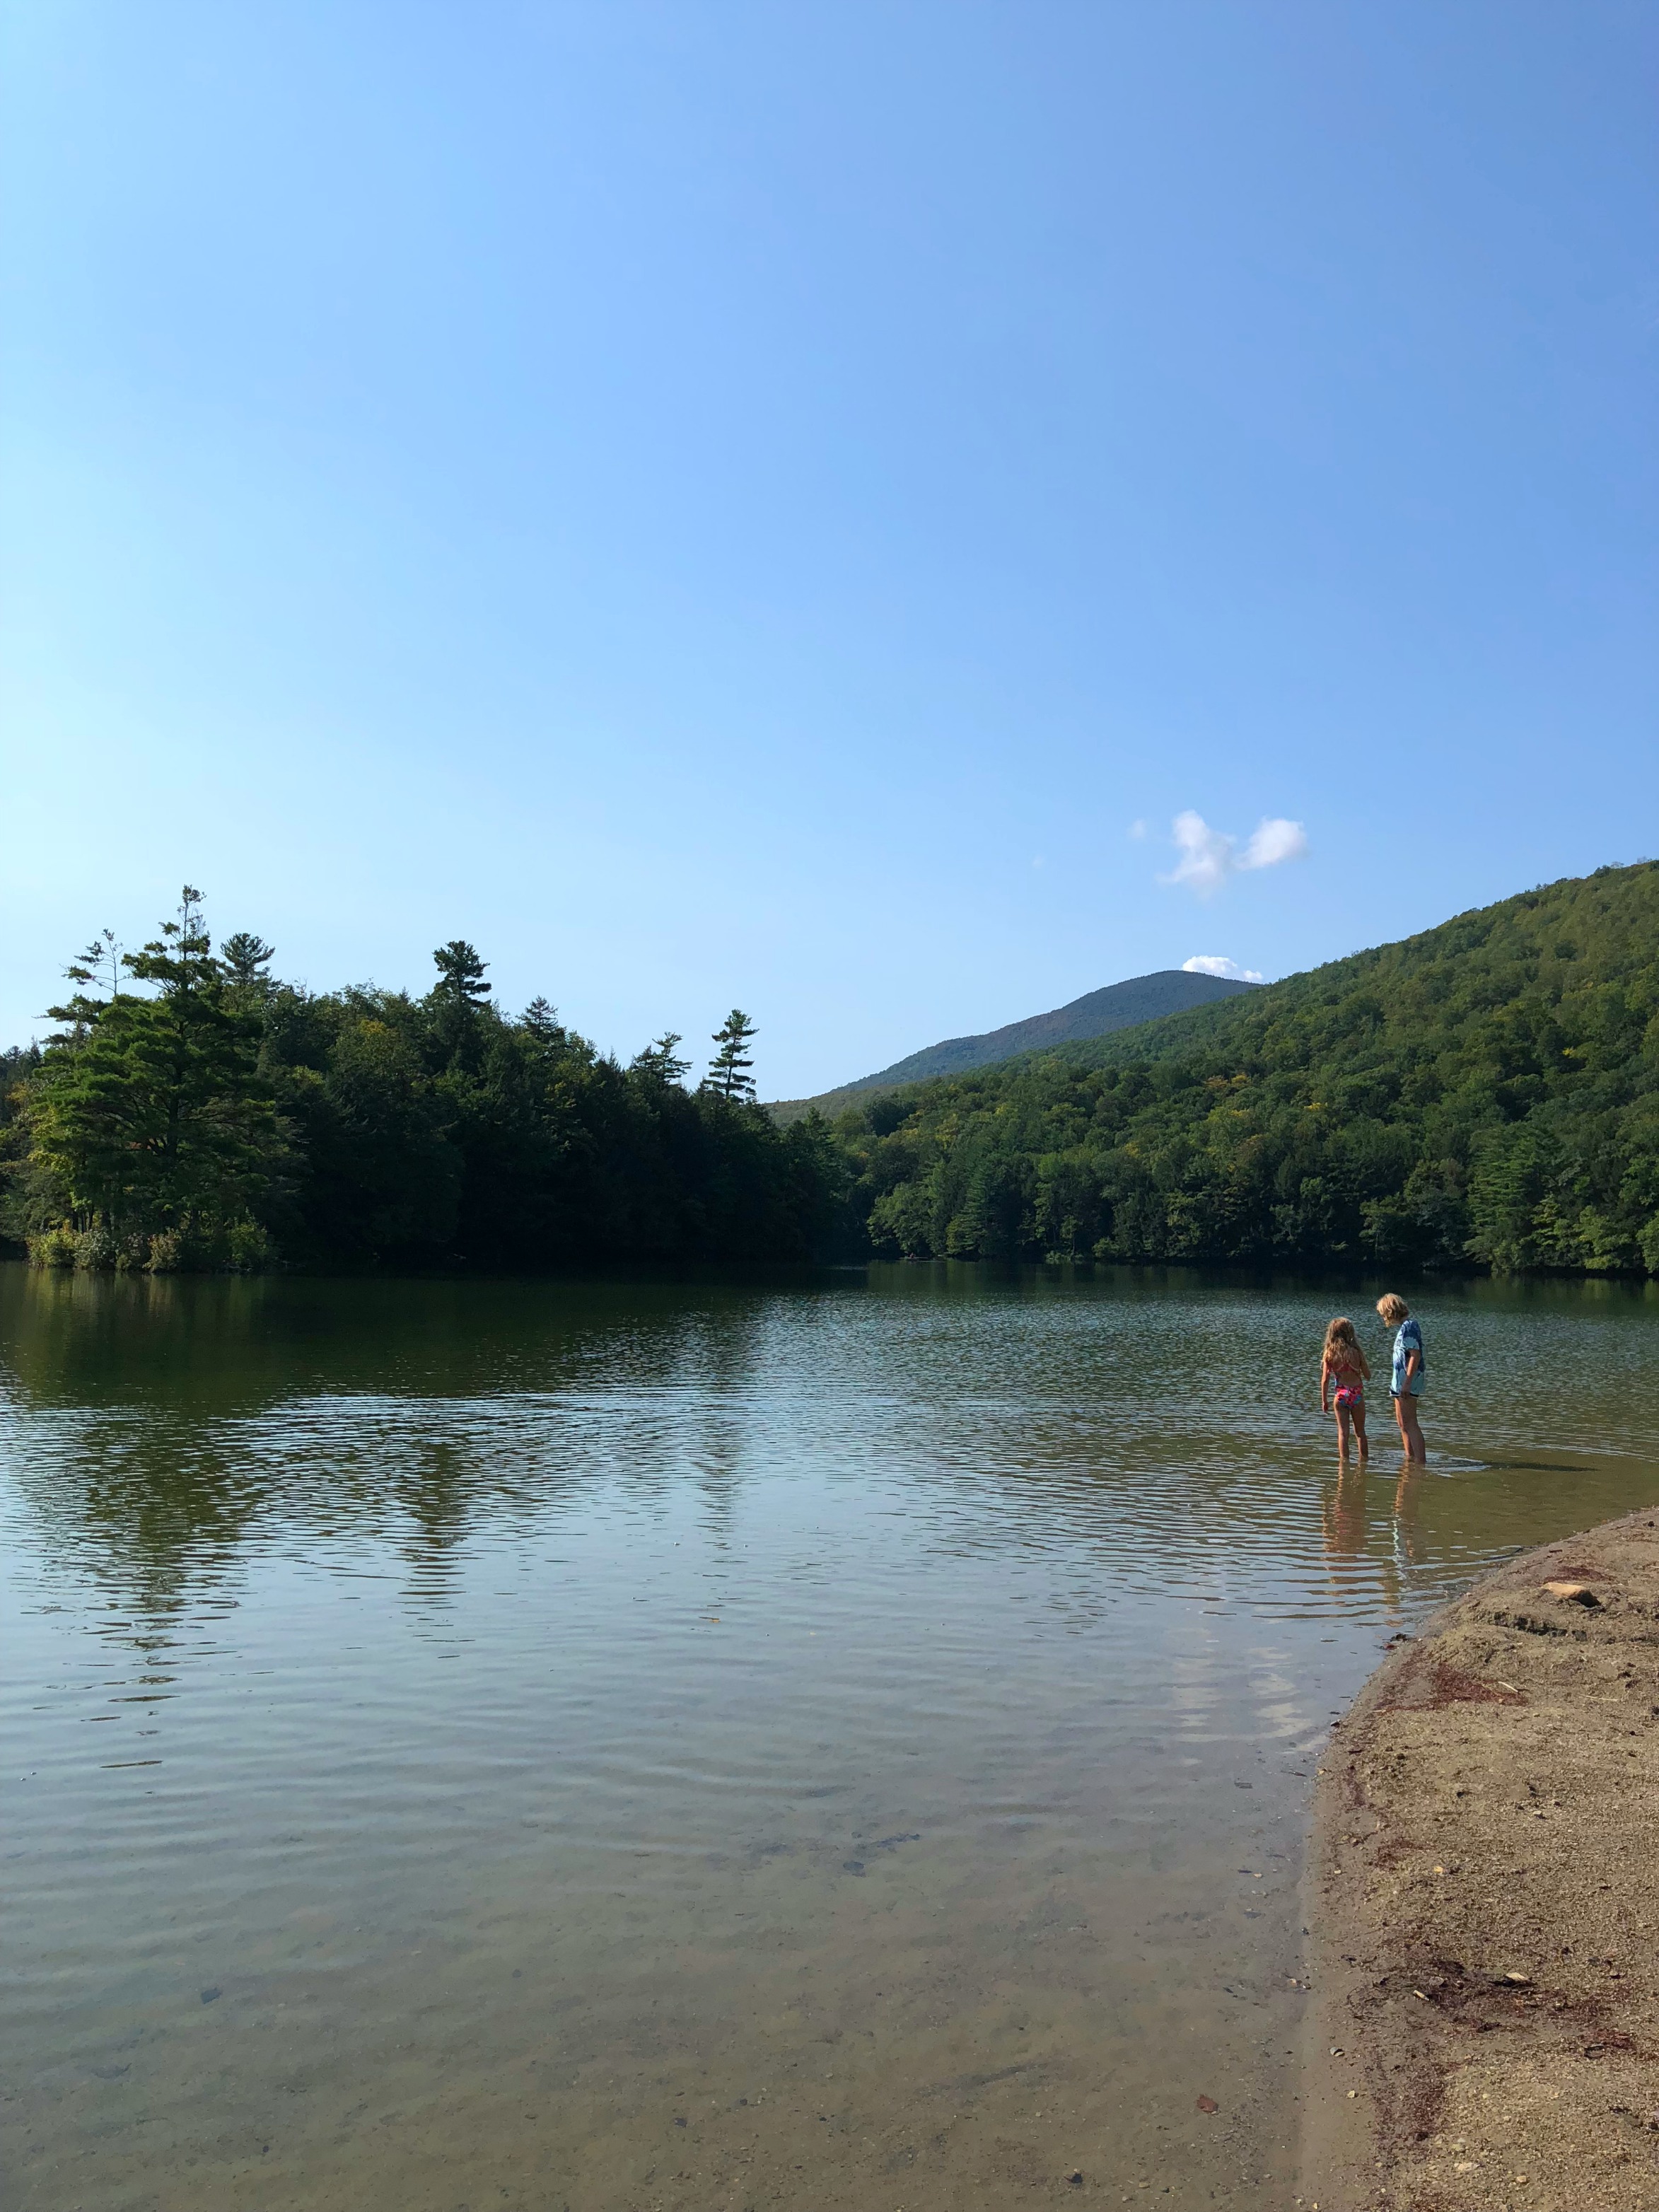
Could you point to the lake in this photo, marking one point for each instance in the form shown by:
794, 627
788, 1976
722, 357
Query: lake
647, 1747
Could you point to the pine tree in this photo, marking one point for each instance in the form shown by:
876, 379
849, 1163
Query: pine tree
458, 1000
541, 1018
155, 1117
460, 972
728, 1075
659, 1062
99, 965
246, 958
101, 960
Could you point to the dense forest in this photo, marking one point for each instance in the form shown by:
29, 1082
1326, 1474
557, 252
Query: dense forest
193, 1110
1485, 1093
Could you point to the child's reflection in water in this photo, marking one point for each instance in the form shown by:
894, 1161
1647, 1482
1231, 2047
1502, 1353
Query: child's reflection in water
1409, 1548
1343, 1511
1345, 1514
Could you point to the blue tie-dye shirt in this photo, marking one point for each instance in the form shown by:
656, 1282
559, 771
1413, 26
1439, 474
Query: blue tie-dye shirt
1408, 1338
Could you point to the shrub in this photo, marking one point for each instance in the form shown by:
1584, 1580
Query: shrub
96, 1248
53, 1248
247, 1248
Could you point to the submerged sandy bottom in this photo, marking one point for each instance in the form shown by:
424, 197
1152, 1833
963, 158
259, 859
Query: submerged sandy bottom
887, 2048
615, 1748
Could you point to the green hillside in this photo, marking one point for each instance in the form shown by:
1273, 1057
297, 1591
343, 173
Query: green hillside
1486, 1092
1118, 1006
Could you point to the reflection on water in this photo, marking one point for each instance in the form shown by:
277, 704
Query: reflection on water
838, 1741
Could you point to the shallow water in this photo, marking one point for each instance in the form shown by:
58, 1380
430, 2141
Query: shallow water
837, 1742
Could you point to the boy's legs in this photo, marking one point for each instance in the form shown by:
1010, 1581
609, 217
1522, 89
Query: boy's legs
1411, 1429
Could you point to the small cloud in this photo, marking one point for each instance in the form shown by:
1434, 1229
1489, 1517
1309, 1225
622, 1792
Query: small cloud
1273, 840
1207, 854
1216, 963
1137, 829
1208, 857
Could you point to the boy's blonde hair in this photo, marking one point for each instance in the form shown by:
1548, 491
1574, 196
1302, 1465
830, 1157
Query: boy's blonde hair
1393, 1307
1340, 1332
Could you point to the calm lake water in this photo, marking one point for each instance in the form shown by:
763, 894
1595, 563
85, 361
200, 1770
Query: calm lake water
843, 1742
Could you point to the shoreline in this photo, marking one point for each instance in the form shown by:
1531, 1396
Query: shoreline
1482, 1894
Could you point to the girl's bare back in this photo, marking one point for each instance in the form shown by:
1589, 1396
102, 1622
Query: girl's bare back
1344, 1372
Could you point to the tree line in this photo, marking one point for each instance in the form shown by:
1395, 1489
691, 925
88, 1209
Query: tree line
1485, 1093
193, 1110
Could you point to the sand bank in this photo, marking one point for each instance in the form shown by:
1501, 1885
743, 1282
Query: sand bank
1483, 1896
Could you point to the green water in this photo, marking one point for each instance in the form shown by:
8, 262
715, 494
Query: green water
841, 1742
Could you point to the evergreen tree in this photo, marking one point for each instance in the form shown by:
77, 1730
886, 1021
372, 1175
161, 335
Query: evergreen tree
154, 1118
728, 1075
659, 1062
246, 958
541, 1019
457, 1002
99, 965
461, 973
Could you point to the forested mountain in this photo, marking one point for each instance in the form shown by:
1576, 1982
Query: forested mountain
1487, 1091
194, 1111
1119, 1006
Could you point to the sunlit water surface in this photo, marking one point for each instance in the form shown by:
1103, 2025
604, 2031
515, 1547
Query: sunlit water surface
836, 1743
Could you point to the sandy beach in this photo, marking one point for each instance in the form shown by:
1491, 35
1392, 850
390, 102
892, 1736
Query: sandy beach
1483, 1894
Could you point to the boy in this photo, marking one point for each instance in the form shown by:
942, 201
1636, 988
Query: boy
1406, 1385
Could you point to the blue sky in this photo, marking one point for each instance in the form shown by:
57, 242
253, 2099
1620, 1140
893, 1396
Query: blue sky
790, 504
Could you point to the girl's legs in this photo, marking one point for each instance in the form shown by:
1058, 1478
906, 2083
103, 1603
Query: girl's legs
1359, 1429
1342, 1432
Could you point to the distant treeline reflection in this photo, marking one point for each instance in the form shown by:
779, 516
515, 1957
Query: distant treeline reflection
185, 1415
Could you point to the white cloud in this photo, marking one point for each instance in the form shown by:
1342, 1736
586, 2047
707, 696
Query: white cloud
1206, 855
1209, 856
1273, 840
1218, 963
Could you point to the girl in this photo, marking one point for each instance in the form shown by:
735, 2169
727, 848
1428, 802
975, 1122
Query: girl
1343, 1374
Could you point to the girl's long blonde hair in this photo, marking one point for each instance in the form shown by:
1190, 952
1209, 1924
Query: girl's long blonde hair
1339, 1337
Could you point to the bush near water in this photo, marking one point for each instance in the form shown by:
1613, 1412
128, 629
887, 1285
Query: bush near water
1484, 1094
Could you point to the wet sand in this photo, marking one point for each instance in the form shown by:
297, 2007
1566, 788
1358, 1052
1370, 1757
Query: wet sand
1483, 1890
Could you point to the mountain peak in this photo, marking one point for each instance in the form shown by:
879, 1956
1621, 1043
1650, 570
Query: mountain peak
1116, 1007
